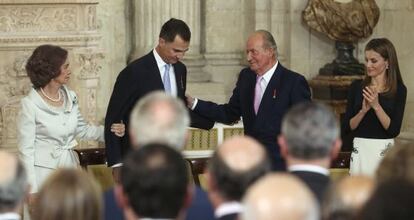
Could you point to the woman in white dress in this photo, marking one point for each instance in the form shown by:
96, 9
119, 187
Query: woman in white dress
50, 120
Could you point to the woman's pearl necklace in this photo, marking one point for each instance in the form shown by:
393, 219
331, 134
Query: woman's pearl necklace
51, 99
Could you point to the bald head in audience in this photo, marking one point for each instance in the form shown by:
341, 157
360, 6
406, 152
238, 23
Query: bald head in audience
13, 184
235, 165
159, 118
279, 197
346, 197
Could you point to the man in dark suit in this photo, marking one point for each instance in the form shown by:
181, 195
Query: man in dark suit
160, 69
235, 165
263, 93
309, 142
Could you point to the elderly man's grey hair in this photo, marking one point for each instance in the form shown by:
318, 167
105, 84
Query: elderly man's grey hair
310, 130
159, 118
269, 41
13, 183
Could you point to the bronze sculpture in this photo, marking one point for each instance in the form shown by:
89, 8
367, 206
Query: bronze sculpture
346, 22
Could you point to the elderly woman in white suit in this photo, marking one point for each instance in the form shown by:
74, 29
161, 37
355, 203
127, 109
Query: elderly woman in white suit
50, 120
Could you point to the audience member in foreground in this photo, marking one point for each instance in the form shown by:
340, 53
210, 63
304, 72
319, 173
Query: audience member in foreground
346, 197
279, 197
235, 165
398, 163
154, 184
69, 194
392, 199
14, 186
309, 142
161, 118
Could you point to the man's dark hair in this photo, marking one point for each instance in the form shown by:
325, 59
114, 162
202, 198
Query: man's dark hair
155, 180
393, 199
232, 184
174, 27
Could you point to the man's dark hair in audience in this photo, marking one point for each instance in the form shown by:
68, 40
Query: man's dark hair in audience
154, 178
393, 199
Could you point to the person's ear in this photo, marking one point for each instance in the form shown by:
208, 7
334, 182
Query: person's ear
336, 148
186, 137
189, 195
211, 184
120, 197
161, 41
282, 145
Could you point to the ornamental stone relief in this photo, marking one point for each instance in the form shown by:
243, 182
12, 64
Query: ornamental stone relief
38, 18
90, 65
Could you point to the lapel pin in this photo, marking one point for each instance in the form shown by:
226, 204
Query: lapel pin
274, 93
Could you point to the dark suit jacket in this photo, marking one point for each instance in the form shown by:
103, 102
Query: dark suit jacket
200, 207
135, 81
317, 183
284, 89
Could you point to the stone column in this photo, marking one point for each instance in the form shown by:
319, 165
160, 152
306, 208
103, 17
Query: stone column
150, 15
26, 24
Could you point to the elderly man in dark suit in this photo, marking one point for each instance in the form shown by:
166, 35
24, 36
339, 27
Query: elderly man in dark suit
160, 69
309, 142
263, 93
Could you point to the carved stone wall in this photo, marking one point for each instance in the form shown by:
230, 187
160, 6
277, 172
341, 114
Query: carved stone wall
26, 24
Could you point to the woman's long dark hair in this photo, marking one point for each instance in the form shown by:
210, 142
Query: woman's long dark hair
386, 49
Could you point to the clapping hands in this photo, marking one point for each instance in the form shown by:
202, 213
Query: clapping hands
370, 95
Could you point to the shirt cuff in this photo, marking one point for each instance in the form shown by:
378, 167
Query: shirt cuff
117, 165
194, 104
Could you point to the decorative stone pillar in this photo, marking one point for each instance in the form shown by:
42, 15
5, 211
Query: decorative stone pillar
26, 24
150, 15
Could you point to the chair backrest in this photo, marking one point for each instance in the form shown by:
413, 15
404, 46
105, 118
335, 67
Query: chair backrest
91, 156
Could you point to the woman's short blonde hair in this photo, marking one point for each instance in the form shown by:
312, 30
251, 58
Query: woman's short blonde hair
69, 194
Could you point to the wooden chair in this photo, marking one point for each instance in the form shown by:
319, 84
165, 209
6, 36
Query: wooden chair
342, 161
91, 156
197, 168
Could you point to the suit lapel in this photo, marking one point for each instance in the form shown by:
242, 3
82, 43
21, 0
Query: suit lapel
249, 96
154, 75
179, 79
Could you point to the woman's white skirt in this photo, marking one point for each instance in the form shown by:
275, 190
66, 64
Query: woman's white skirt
367, 154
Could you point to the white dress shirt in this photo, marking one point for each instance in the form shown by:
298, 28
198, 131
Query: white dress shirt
267, 76
228, 208
309, 168
9, 216
161, 67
